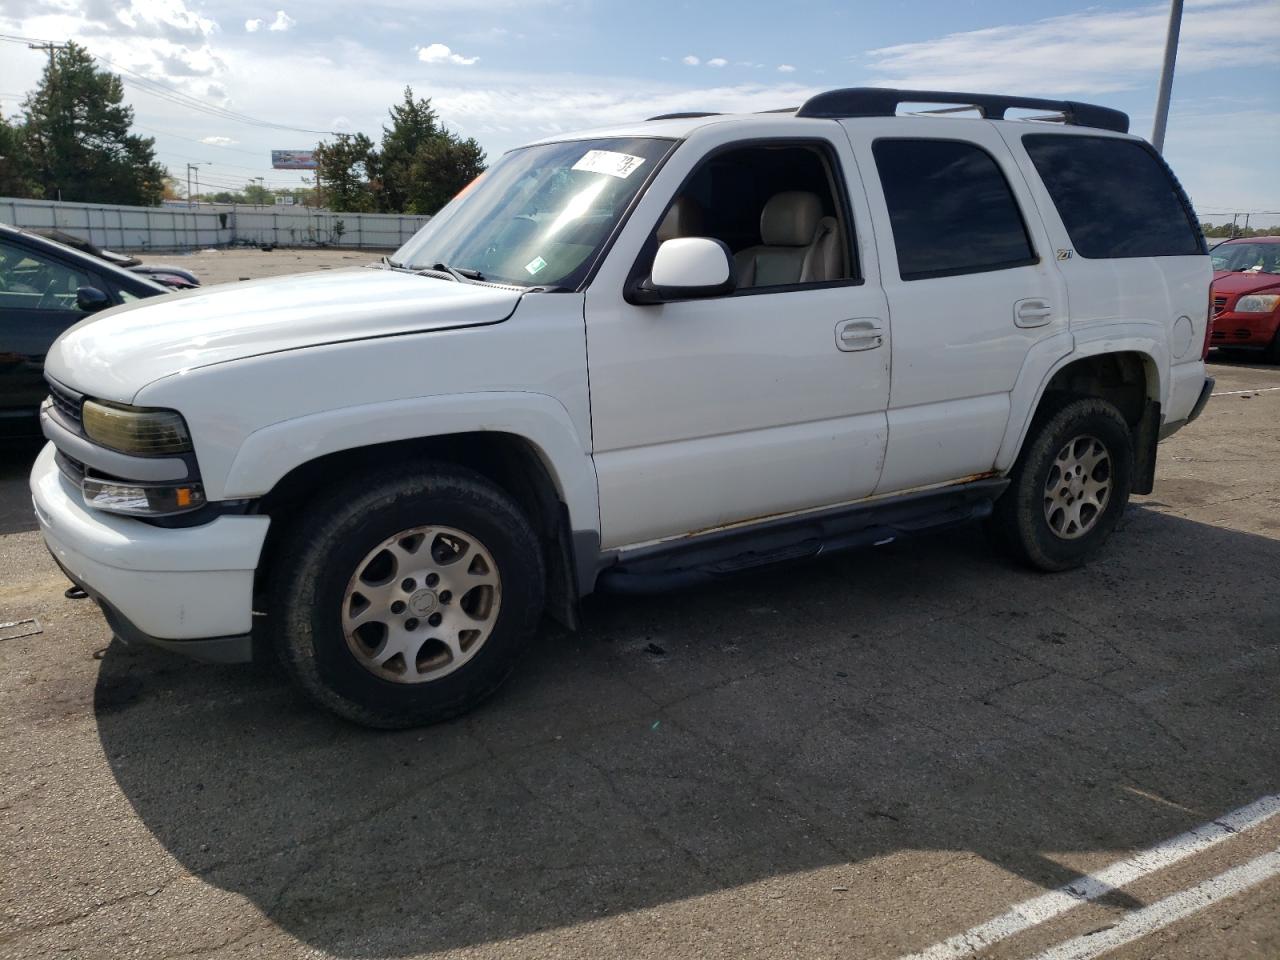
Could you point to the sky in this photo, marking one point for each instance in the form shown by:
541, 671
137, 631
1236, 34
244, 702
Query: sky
510, 71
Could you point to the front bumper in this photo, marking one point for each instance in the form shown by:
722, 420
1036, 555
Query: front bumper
188, 589
1232, 329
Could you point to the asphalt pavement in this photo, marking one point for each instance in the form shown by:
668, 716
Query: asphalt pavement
917, 750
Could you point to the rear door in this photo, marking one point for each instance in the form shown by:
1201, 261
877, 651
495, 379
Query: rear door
971, 289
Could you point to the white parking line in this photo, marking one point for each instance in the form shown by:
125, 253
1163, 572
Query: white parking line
1236, 393
1138, 923
1033, 912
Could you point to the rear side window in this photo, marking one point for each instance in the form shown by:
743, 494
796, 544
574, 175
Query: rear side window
1116, 197
951, 209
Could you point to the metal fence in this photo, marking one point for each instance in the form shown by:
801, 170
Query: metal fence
124, 228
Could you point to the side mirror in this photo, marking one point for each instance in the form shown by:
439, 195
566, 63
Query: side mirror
91, 299
686, 268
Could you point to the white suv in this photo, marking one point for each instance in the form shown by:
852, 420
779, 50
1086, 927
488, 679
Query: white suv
635, 358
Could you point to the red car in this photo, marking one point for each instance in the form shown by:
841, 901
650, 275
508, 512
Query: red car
1246, 295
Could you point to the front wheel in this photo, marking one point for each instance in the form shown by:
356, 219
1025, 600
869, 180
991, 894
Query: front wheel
1069, 486
406, 597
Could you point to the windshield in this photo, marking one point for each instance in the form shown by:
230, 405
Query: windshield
540, 215
1247, 257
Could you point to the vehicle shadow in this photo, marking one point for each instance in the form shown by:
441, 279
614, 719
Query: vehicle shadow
16, 458
926, 696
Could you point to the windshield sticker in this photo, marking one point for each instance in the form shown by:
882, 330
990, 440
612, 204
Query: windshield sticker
534, 265
620, 165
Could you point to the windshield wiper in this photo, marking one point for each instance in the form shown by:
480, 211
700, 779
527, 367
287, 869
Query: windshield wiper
460, 274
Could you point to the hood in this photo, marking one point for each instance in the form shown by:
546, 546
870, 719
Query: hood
116, 353
1226, 283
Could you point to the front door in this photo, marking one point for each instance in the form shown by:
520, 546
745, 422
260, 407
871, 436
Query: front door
37, 303
767, 401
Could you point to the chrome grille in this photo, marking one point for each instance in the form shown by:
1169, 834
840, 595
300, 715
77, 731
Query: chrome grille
66, 401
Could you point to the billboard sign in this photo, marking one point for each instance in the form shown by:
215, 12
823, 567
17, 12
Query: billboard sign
293, 159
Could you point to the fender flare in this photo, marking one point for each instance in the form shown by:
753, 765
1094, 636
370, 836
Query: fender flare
270, 452
1047, 358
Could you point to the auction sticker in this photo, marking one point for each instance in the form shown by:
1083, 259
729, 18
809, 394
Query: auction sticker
534, 265
620, 165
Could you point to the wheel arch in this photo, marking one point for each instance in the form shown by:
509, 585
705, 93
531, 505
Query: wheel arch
1125, 372
546, 470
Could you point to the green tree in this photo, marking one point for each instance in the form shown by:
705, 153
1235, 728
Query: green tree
343, 169
441, 167
413, 125
15, 168
258, 195
77, 138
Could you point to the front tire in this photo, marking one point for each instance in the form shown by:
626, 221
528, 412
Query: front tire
1069, 487
407, 596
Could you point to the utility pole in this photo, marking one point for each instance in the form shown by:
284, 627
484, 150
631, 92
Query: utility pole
1166, 75
196, 167
52, 48
262, 186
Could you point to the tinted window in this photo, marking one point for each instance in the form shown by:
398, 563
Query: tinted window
951, 208
1116, 197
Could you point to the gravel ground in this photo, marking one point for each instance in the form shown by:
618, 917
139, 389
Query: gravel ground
854, 758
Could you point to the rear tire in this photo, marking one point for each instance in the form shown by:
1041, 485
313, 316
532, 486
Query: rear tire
406, 596
1069, 487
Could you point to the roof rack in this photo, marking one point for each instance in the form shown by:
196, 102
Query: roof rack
683, 116
884, 102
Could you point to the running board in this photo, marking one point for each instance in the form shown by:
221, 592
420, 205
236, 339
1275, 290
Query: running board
714, 556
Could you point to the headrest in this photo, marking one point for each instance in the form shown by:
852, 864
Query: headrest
684, 219
789, 219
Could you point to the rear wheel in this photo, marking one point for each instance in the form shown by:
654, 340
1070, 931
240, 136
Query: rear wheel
407, 596
1069, 486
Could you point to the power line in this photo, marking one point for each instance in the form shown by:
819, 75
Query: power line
163, 91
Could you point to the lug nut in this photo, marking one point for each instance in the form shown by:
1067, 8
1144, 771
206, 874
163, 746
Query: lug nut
407, 584
411, 623
397, 607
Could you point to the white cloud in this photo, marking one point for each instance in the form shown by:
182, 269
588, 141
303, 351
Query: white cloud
253, 26
219, 141
717, 62
691, 61
282, 21
439, 53
786, 68
1095, 51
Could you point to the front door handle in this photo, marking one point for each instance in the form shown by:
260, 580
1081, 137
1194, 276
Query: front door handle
1032, 313
859, 334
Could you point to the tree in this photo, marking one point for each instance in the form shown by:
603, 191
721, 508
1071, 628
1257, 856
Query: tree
441, 167
343, 168
15, 167
413, 124
77, 136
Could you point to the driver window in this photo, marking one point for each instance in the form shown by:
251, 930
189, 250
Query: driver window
29, 281
774, 207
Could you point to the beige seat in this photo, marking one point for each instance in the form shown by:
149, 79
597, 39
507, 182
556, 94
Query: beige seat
799, 244
683, 219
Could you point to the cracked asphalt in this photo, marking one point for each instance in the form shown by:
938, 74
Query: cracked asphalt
854, 758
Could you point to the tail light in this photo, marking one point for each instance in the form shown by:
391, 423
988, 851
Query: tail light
1208, 326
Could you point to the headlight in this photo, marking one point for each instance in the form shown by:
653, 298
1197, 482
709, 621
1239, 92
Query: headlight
1257, 303
134, 429
142, 499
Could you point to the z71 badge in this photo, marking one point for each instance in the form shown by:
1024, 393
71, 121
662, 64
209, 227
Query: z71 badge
1064, 254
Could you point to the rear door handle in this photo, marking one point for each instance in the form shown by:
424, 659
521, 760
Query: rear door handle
1032, 313
859, 334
